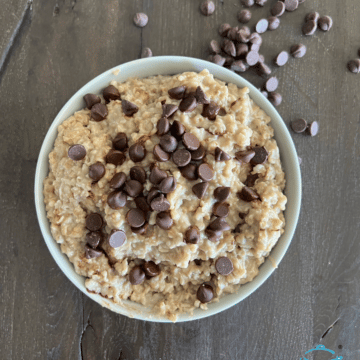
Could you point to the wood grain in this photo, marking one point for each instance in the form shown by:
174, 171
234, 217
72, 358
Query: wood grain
314, 295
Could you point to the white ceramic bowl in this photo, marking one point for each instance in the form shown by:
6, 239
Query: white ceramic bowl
169, 65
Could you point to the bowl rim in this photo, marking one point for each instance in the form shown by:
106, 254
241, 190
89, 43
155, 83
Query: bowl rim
134, 310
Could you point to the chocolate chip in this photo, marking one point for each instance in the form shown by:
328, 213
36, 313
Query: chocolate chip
120, 141
116, 238
138, 173
160, 203
94, 222
99, 112
76, 152
274, 22
271, 84
116, 200
129, 108
224, 29
91, 253
278, 9
168, 143
198, 262
282, 58
111, 93
168, 185
314, 16
221, 155
275, 98
255, 47
135, 218
261, 26
177, 129
164, 220
136, 275
93, 238
260, 2
151, 269
178, 92
213, 236
241, 49
221, 209
169, 110
252, 58
188, 104
140, 19
157, 175
248, 194
219, 224
91, 100
313, 128
247, 3
228, 47
115, 157
146, 52
192, 235
265, 93
205, 172
96, 171
251, 179
200, 96
244, 16
207, 7
142, 204
214, 47
300, 160
222, 193
309, 28
189, 172
242, 36
255, 38
261, 155
218, 60
245, 156
137, 152
224, 266
160, 154
263, 69
354, 66
118, 180
298, 50
205, 292
299, 125
291, 5
133, 188
210, 110
239, 66
228, 61
153, 193
140, 230
181, 157
163, 126
198, 154
325, 23
199, 189
190, 141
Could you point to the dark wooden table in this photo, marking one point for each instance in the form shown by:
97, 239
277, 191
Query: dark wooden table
48, 50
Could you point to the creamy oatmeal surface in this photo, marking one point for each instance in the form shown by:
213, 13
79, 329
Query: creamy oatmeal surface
154, 241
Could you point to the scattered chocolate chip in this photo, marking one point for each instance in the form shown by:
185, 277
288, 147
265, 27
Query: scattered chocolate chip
224, 29
274, 22
244, 16
181, 157
93, 238
160, 203
116, 238
255, 47
138, 173
263, 69
188, 104
192, 235
210, 110
241, 49
354, 66
146, 52
247, 3
228, 47
198, 154
199, 189
261, 155
164, 220
325, 23
129, 108
168, 185
111, 93
239, 66
91, 100
228, 61
265, 93
169, 110
219, 224
252, 58
205, 292
298, 50
153, 193
133, 188
157, 175
189, 172
291, 5
275, 98
221, 209
261, 26
224, 266
255, 38
135, 218
151, 269
118, 180
207, 7
260, 2
120, 141
142, 204
115, 157
245, 156
160, 154
116, 200
242, 35
91, 253
271, 84
299, 125
140, 230
251, 179
214, 47
178, 92
278, 9
309, 28
205, 173
248, 194
213, 236
222, 193
177, 129
282, 58
136, 275
200, 96
99, 112
137, 152
96, 171
163, 126
313, 16
218, 60
313, 128
94, 222
76, 152
140, 19
168, 143
221, 155
190, 141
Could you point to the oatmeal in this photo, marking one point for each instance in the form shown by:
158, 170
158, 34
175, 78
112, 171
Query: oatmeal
166, 191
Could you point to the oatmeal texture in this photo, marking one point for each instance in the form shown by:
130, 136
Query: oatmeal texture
70, 195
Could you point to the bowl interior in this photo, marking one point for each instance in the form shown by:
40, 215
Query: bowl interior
169, 65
